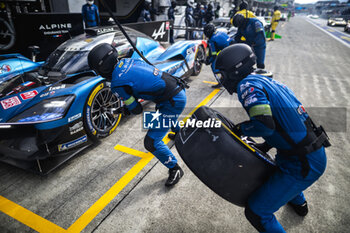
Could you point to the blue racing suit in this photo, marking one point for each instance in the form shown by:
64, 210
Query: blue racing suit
189, 20
263, 97
145, 16
254, 34
217, 42
134, 79
91, 15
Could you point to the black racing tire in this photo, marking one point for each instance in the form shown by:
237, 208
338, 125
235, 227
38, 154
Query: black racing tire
198, 61
99, 119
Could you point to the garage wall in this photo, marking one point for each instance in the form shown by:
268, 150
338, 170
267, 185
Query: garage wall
75, 5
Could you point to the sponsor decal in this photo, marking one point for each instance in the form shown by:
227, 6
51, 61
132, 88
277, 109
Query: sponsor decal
47, 93
55, 26
72, 144
244, 86
156, 71
75, 117
244, 95
121, 64
10, 102
251, 89
301, 109
93, 94
57, 87
251, 99
157, 120
5, 68
89, 123
28, 95
76, 128
167, 25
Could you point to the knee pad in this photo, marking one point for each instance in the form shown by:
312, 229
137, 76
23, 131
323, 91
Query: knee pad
254, 219
149, 144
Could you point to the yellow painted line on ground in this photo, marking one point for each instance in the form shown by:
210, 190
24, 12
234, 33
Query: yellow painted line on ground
330, 30
41, 224
345, 38
101, 203
27, 217
210, 82
131, 151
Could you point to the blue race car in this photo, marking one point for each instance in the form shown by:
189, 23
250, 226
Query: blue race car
49, 112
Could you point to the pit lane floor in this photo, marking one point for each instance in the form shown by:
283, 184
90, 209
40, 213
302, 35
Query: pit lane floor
106, 190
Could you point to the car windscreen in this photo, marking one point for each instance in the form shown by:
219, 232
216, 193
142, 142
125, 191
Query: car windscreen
67, 62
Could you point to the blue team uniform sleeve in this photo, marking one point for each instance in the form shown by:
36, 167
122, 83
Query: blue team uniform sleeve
237, 36
83, 11
259, 33
212, 51
257, 105
129, 100
97, 15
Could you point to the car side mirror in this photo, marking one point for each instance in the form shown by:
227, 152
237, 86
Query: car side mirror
34, 51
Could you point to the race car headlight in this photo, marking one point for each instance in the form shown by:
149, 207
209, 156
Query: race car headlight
47, 110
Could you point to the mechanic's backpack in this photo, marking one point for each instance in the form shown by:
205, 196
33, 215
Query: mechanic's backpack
227, 164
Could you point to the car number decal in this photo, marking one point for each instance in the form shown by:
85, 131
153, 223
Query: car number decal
10, 102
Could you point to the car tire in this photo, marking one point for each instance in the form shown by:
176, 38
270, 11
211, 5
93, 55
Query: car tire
198, 61
99, 119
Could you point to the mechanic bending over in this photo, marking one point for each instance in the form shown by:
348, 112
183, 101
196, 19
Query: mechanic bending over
133, 79
277, 116
253, 31
91, 15
217, 41
274, 22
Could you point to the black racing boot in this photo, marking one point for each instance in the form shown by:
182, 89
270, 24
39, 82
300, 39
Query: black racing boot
172, 136
301, 210
217, 85
175, 175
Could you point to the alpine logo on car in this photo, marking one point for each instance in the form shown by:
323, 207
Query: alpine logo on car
76, 128
28, 95
57, 87
71, 144
161, 32
73, 118
55, 26
10, 102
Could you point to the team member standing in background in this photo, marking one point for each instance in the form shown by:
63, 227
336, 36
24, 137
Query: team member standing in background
274, 22
90, 14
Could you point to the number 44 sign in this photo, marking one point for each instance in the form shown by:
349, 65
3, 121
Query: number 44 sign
161, 31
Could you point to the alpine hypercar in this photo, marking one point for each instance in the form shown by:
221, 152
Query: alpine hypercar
336, 22
51, 111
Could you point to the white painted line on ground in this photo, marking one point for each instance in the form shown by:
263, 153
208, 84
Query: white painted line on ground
338, 39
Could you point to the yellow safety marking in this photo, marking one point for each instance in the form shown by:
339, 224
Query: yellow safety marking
130, 151
101, 203
331, 30
27, 217
40, 224
345, 38
228, 129
210, 82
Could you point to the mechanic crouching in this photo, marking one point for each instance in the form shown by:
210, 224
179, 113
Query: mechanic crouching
217, 41
277, 116
253, 32
133, 79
